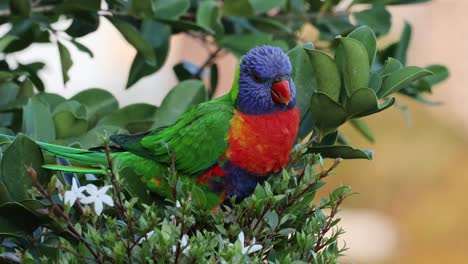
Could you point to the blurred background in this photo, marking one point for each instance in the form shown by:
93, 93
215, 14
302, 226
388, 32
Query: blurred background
411, 204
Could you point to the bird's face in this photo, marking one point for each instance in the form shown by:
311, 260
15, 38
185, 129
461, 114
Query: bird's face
265, 83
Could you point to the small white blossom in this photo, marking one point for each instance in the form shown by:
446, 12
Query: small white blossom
183, 244
98, 197
74, 194
146, 236
250, 248
177, 204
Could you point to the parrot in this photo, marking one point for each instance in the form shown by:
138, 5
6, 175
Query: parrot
225, 146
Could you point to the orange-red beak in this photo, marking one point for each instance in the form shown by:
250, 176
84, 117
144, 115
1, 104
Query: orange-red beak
280, 92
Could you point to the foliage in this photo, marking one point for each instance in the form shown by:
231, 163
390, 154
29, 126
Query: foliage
343, 78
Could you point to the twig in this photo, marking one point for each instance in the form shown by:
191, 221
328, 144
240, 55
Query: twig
207, 62
120, 205
326, 228
322, 175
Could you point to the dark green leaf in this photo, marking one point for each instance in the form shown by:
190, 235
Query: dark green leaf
134, 118
23, 152
65, 61
353, 62
401, 47
327, 114
400, 79
238, 8
95, 136
79, 5
135, 39
32, 69
379, 108
184, 26
301, 70
325, 74
170, 9
361, 101
16, 220
181, 98
366, 36
83, 23
52, 100
342, 151
20, 7
377, 18
37, 120
98, 103
209, 16
185, 70
141, 8
261, 6
157, 34
241, 44
363, 128
82, 47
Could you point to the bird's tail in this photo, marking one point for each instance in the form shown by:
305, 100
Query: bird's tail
94, 162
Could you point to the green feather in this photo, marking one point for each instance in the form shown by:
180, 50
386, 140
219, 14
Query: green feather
74, 169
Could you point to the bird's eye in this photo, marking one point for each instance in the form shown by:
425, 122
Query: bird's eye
257, 78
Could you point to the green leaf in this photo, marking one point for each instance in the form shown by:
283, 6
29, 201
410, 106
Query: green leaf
79, 5
185, 70
33, 69
65, 61
363, 128
8, 92
5, 41
134, 118
70, 119
301, 70
379, 108
19, 155
20, 7
98, 103
52, 100
37, 120
209, 16
327, 114
181, 98
170, 9
375, 82
325, 74
391, 65
135, 39
141, 8
184, 26
361, 101
400, 79
94, 137
262, 6
238, 8
366, 36
441, 73
239, 45
377, 18
401, 47
341, 151
353, 62
16, 220
82, 47
83, 23
157, 34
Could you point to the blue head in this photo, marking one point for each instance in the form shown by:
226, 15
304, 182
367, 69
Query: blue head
265, 83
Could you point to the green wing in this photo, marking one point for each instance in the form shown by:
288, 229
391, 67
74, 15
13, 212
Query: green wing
196, 140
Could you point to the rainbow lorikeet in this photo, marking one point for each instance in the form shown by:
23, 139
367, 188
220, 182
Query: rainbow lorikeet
225, 146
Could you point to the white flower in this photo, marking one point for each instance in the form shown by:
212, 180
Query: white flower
250, 248
177, 204
147, 235
74, 194
183, 244
97, 197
